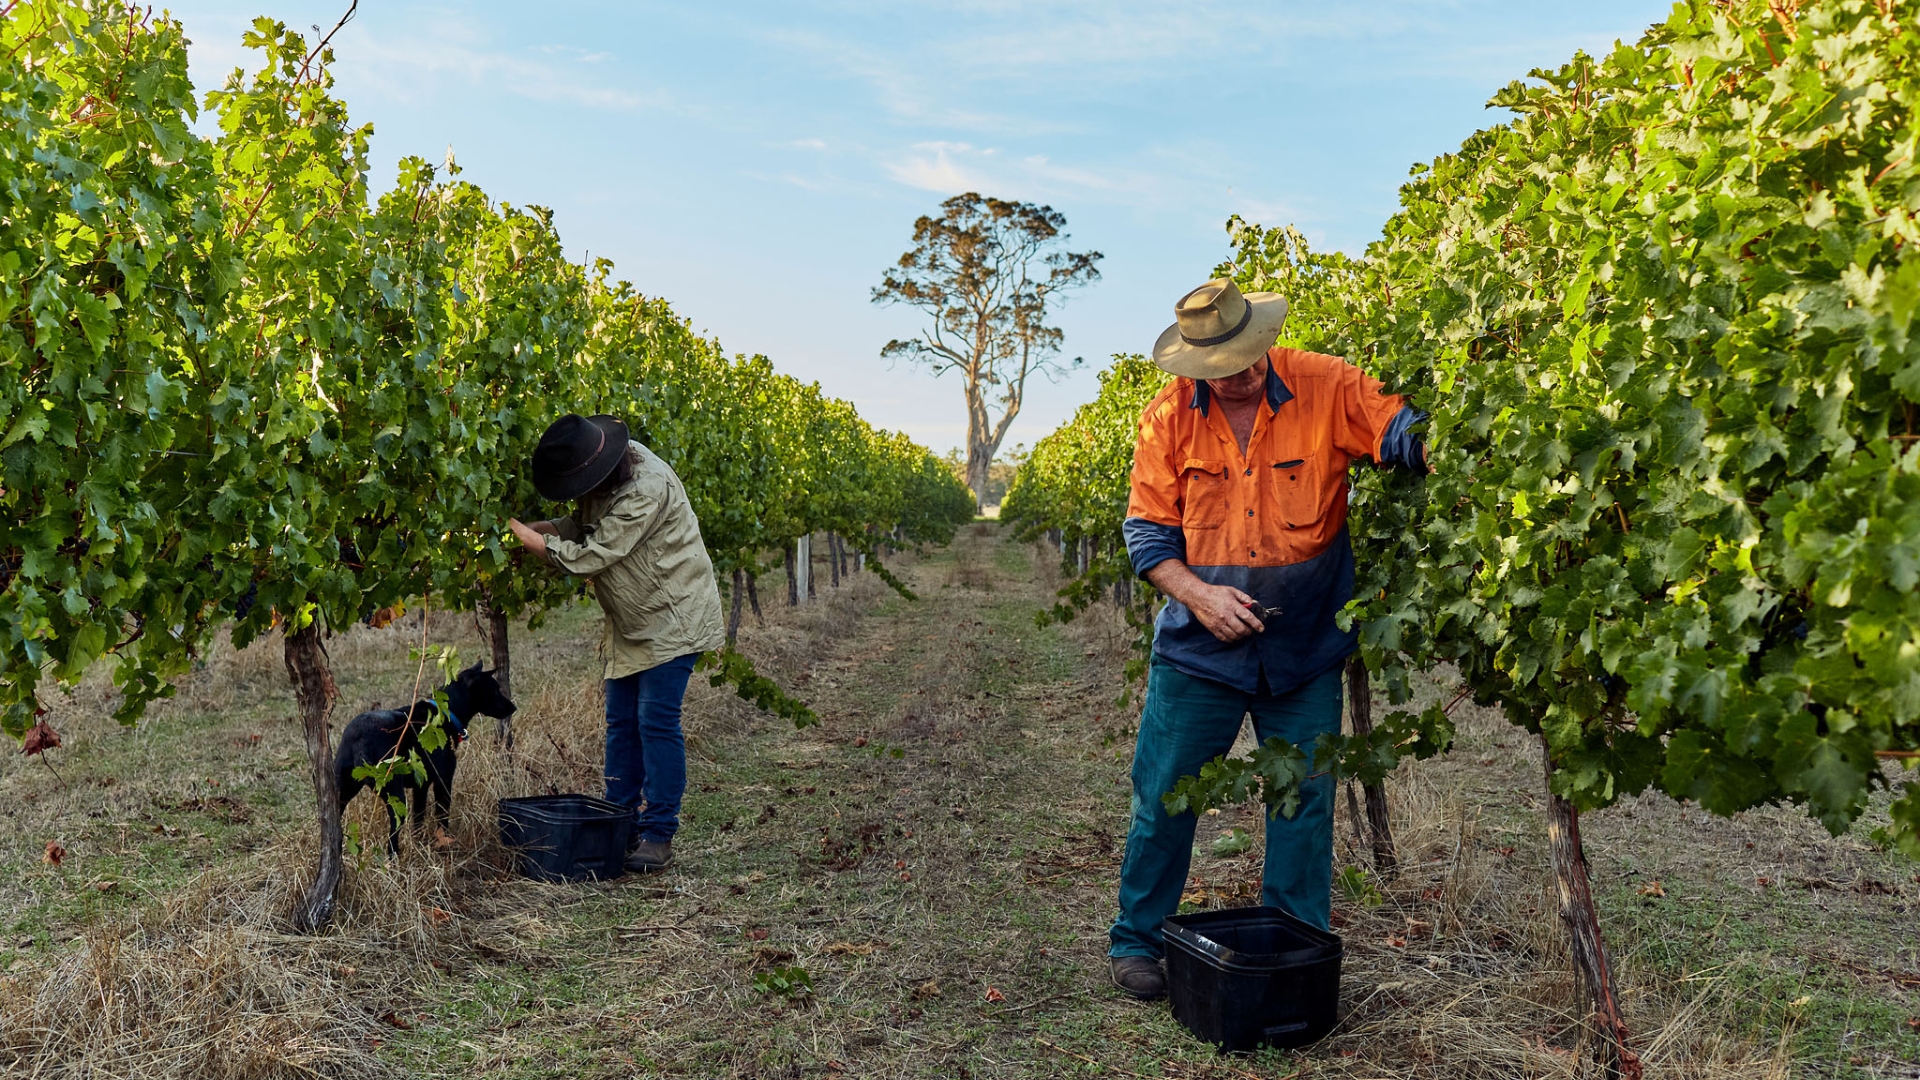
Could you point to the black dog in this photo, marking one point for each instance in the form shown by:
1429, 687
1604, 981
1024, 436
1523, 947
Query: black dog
376, 736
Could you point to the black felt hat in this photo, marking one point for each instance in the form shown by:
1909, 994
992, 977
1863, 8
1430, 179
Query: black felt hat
576, 453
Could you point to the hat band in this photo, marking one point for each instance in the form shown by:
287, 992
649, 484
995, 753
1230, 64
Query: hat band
603, 446
1246, 316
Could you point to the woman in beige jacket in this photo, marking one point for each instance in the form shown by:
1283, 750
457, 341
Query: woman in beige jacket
635, 538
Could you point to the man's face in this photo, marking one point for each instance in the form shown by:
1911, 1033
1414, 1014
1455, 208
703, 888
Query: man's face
1247, 384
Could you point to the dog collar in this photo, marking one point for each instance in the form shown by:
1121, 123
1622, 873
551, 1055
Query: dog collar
459, 726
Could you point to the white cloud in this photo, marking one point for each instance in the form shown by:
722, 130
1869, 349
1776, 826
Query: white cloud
935, 167
402, 66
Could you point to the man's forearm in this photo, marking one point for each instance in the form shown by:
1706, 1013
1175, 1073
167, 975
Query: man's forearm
1174, 579
1222, 609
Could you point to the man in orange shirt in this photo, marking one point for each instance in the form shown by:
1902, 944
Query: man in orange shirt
1238, 516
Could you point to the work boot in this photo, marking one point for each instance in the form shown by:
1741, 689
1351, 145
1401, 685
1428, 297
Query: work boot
1140, 976
649, 856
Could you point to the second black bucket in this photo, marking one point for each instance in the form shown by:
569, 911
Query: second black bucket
1249, 977
566, 837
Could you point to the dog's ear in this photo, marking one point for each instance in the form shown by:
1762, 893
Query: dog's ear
472, 671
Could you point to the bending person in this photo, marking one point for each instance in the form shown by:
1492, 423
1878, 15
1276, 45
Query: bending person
635, 538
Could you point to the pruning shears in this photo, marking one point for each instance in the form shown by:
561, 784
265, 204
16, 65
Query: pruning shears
1260, 611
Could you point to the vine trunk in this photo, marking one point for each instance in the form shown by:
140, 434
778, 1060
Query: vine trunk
1574, 890
313, 692
1360, 713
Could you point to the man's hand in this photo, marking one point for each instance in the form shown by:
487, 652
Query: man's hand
1222, 609
533, 536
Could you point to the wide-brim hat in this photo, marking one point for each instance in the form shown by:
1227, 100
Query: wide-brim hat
1219, 331
576, 453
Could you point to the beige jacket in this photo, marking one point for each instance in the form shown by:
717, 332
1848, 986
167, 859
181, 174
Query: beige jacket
640, 547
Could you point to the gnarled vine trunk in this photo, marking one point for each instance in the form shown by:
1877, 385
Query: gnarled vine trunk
502, 668
739, 598
1360, 713
1573, 889
313, 692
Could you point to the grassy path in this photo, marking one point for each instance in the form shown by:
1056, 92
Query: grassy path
938, 857
935, 863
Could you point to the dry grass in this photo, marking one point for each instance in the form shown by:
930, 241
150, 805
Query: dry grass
950, 833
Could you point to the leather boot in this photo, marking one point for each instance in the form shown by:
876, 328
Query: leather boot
1140, 976
650, 857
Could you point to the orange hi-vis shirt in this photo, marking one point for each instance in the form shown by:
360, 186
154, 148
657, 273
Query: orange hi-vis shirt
1270, 521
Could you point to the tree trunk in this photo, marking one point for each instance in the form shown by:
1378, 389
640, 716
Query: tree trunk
1360, 709
1574, 889
753, 597
502, 669
739, 598
833, 557
314, 691
803, 566
979, 466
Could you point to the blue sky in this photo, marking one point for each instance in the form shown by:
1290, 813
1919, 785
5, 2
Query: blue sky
760, 164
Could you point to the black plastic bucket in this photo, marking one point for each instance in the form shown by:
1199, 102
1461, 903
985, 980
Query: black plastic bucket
1248, 977
566, 837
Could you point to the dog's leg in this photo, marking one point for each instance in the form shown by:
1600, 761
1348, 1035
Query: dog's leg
443, 786
416, 819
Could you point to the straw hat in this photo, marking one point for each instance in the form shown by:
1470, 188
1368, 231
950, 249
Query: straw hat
1218, 332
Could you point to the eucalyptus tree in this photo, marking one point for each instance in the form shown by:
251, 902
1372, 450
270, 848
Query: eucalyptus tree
985, 272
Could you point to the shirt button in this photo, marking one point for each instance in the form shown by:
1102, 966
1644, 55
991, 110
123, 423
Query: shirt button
1249, 470
1252, 554
1249, 513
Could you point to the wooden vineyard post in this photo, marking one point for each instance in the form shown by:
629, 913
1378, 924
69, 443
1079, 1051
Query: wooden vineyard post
739, 598
799, 571
1360, 711
314, 691
1574, 890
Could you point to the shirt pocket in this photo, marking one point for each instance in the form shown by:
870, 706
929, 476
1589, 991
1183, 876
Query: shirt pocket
1204, 494
1299, 486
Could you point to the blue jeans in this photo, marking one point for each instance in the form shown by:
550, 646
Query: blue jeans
646, 752
1186, 723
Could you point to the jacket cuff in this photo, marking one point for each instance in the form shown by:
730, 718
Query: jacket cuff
1399, 445
1149, 543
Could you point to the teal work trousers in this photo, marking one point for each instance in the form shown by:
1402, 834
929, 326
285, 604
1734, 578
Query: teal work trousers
1187, 722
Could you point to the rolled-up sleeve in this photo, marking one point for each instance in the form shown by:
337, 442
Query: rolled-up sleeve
1400, 445
566, 528
612, 538
1154, 513
1149, 544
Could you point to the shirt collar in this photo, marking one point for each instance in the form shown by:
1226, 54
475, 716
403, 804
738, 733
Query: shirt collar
1277, 392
